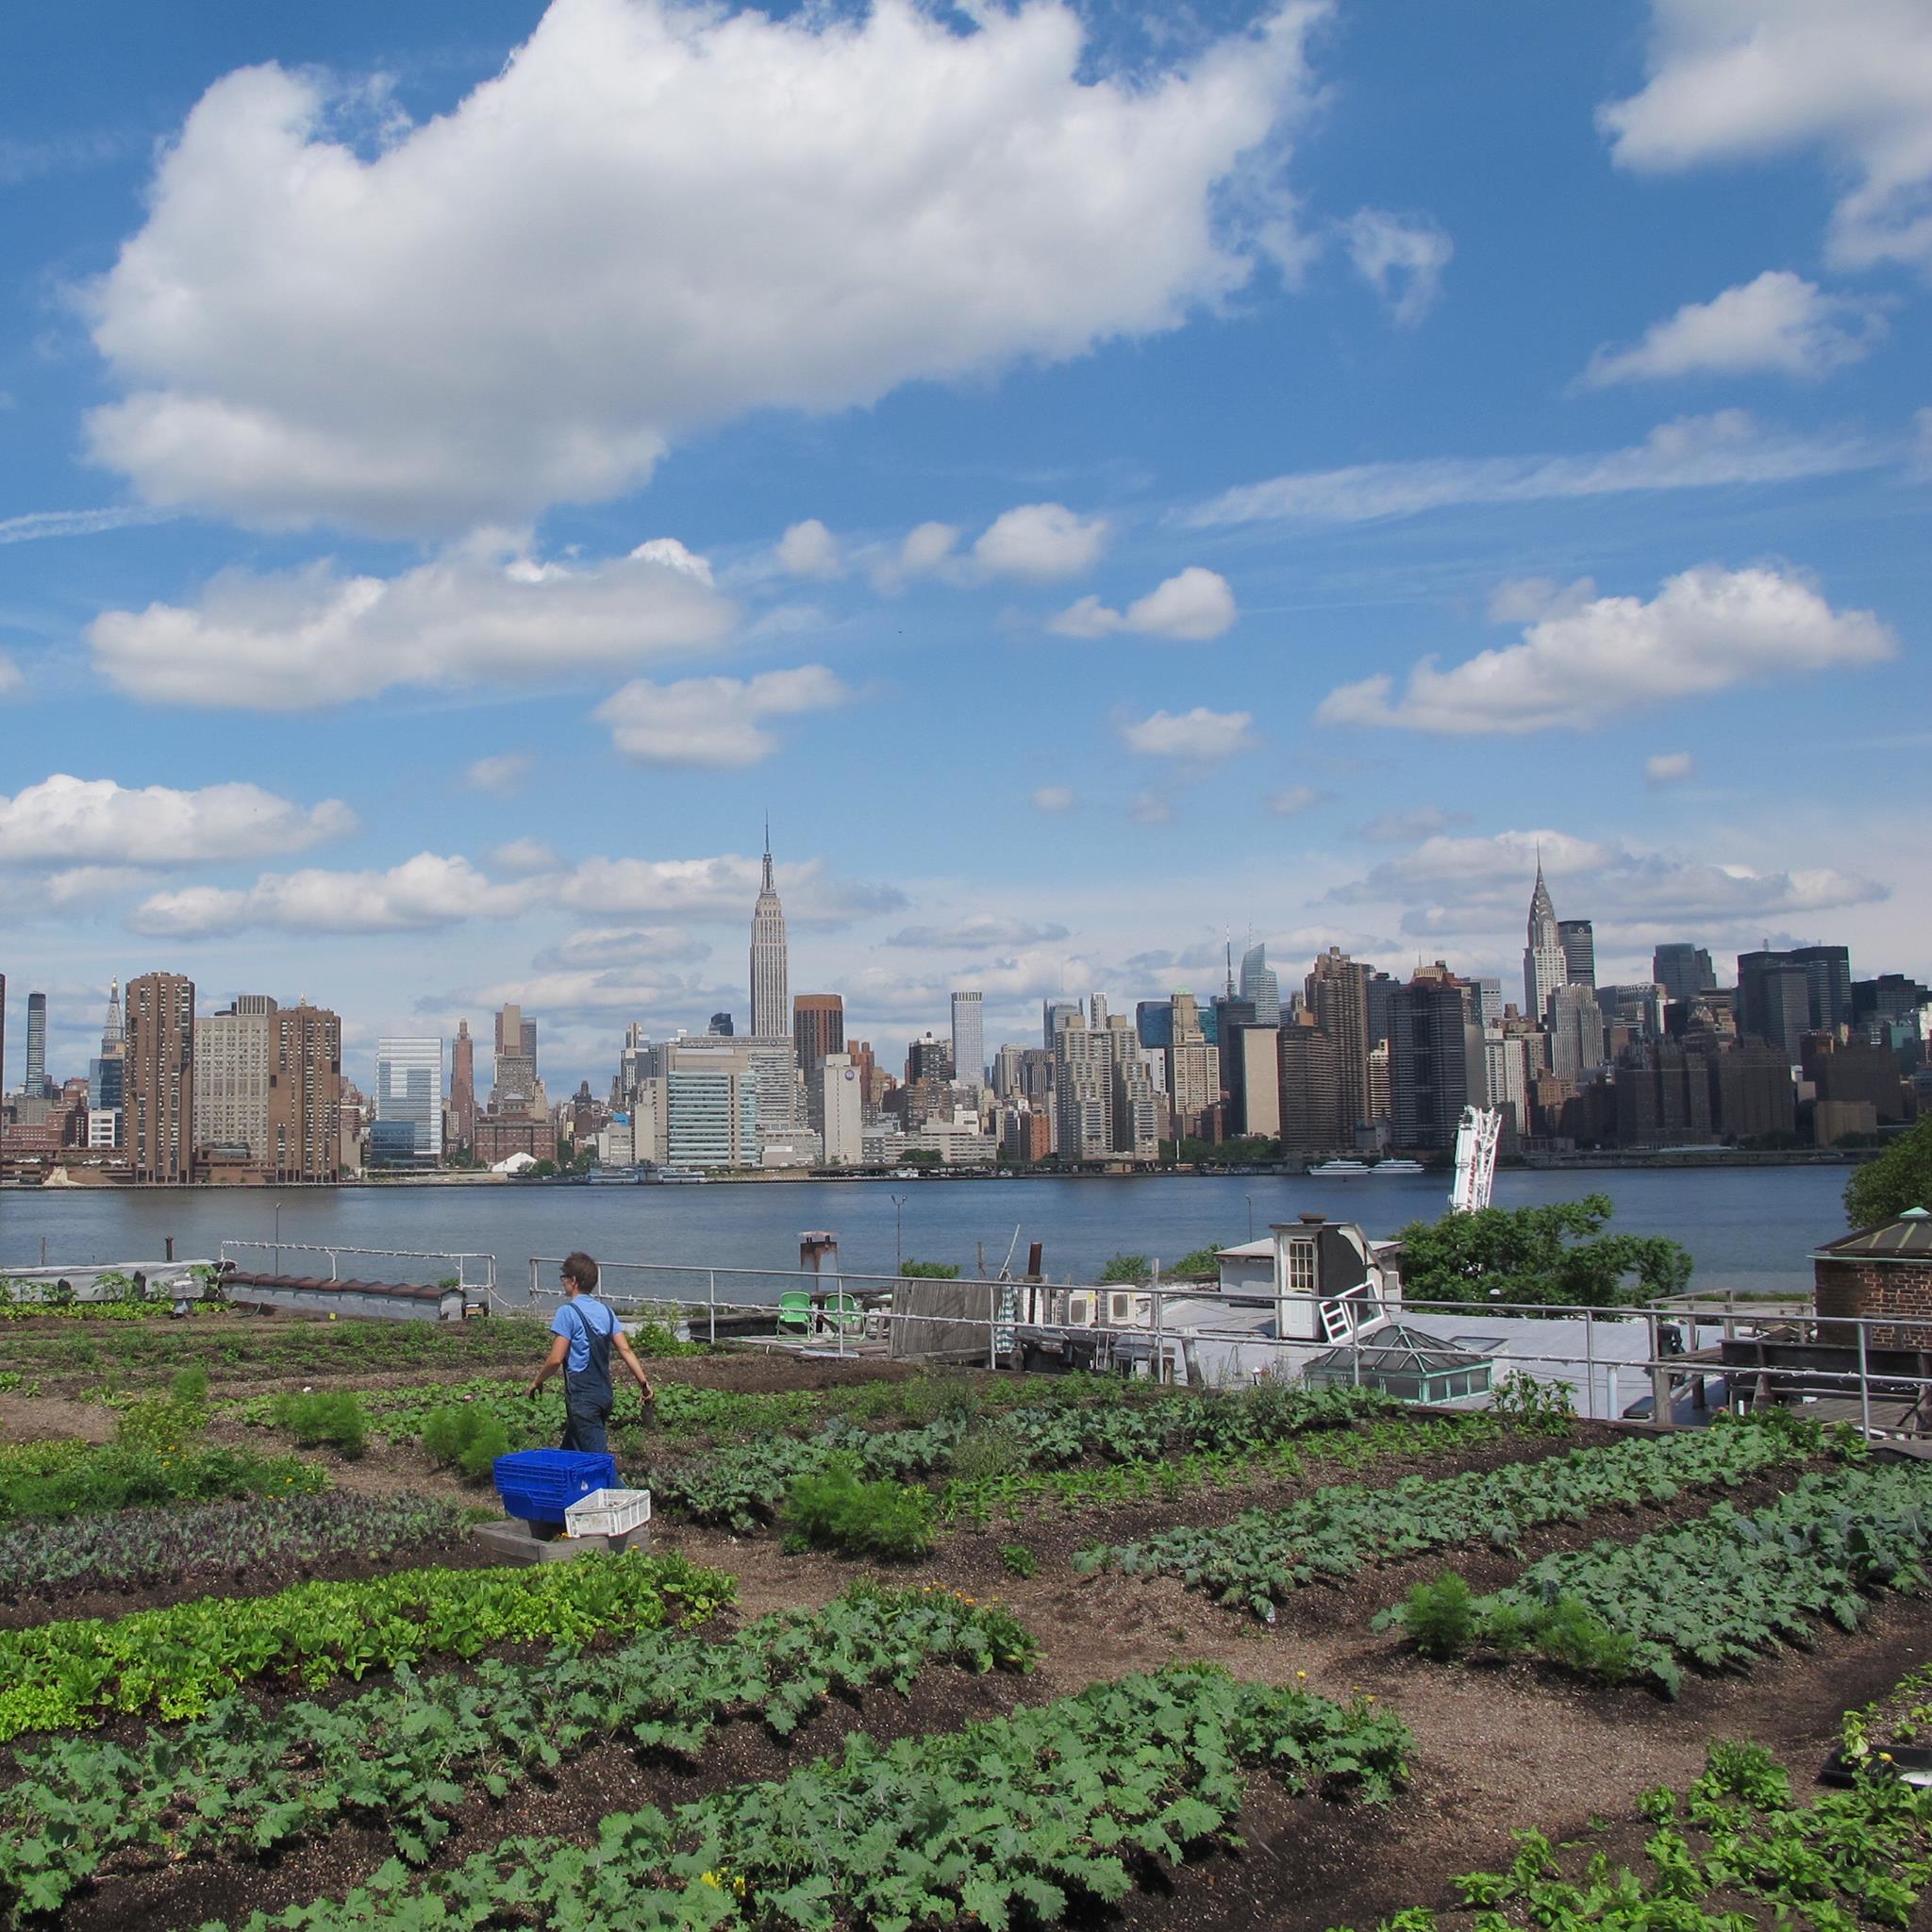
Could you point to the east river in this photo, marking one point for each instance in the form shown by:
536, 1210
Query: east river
1745, 1228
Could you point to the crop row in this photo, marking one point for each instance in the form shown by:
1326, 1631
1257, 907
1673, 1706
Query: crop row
1014, 1494
177, 1660
1862, 1856
1714, 1592
249, 1780
1010, 1819
1262, 1556
43, 1480
128, 1549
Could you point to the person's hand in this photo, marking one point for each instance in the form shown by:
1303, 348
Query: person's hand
535, 1388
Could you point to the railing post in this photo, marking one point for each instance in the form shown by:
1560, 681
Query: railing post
1661, 1412
1589, 1368
1864, 1383
711, 1301
1159, 1338
533, 1281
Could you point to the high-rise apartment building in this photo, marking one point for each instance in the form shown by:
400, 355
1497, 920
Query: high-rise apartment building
35, 1083
842, 1110
1577, 938
1431, 1036
928, 1057
968, 1040
1193, 1074
1309, 1082
1136, 1104
1054, 1014
408, 1088
818, 1028
462, 1086
770, 985
305, 1095
1544, 968
233, 1051
1336, 995
1007, 1069
1083, 1089
160, 1076
515, 1090
1682, 970
1260, 986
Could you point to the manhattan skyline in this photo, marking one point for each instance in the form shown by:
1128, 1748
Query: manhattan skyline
1480, 443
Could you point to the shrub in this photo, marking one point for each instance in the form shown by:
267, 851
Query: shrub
991, 1450
331, 1416
471, 1438
929, 1271
1019, 1559
1439, 1617
835, 1509
1126, 1268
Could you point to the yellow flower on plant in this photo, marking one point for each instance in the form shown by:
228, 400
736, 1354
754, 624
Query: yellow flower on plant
711, 1878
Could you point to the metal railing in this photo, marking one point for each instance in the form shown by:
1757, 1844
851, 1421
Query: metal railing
475, 1273
1176, 1331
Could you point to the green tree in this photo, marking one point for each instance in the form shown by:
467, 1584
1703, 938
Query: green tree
1204, 1264
1901, 1177
1545, 1256
1126, 1268
930, 1270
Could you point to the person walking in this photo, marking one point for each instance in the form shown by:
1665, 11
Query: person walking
586, 1332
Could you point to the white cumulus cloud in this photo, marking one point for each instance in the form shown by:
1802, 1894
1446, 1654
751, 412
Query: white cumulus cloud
1741, 80
656, 216
1669, 768
1192, 607
73, 822
1705, 631
1779, 325
809, 550
1041, 544
483, 611
1402, 258
503, 772
1295, 799
1200, 734
10, 677
714, 721
422, 894
1052, 798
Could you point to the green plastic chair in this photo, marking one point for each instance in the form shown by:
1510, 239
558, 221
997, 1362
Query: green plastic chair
844, 1312
795, 1311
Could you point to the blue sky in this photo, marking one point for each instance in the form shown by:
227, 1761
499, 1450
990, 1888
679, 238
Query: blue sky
1097, 479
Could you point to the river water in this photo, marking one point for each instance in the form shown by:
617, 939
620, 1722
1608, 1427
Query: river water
1745, 1228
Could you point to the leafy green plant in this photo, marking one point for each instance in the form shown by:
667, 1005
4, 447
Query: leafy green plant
1717, 1591
835, 1509
1438, 1617
1543, 1408
41, 1480
177, 1660
1262, 1556
329, 1416
398, 1756
1003, 1822
1019, 1560
929, 1271
469, 1439
1126, 1268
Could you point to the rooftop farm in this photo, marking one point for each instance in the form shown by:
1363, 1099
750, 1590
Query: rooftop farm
912, 1649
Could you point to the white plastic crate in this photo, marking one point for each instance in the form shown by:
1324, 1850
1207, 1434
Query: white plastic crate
608, 1512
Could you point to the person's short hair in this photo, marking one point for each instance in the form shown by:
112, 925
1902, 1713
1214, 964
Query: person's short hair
581, 1269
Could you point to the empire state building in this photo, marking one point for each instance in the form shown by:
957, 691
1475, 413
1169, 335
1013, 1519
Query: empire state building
771, 985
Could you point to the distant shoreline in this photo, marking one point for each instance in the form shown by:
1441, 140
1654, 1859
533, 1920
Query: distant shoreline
1602, 1160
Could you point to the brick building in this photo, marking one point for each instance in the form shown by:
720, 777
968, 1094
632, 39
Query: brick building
1878, 1272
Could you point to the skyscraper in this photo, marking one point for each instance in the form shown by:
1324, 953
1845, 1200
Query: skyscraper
1336, 994
1578, 940
514, 1089
818, 1028
969, 1041
35, 1084
232, 1063
305, 1117
1544, 969
1774, 1001
1054, 1014
1260, 986
1577, 1032
1429, 1053
1682, 970
408, 1088
770, 987
462, 1085
160, 1076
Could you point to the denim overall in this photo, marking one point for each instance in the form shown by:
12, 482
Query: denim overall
588, 1393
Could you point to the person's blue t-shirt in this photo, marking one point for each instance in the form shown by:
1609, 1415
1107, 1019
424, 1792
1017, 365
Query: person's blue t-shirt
578, 1321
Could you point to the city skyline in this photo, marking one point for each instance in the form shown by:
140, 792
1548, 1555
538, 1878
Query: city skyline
1304, 510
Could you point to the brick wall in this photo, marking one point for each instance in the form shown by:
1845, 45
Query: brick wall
1853, 1287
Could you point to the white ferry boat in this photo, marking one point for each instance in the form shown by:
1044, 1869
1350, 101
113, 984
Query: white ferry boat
1339, 1170
671, 1177
1398, 1165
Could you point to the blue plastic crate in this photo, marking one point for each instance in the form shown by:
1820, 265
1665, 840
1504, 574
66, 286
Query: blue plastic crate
539, 1485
